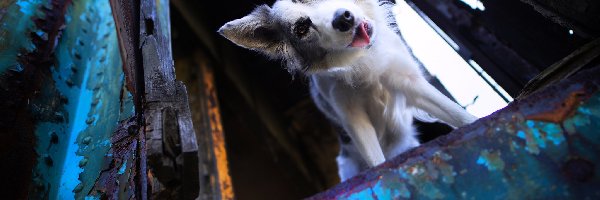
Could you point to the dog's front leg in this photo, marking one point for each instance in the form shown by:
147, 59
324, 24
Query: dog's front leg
423, 95
358, 126
428, 98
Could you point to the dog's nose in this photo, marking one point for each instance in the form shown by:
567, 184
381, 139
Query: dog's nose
343, 20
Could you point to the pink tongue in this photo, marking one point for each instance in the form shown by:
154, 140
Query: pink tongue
361, 39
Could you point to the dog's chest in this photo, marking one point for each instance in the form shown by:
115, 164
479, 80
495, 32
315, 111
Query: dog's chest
373, 98
376, 99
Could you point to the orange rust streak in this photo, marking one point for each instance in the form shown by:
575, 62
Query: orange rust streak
563, 111
218, 138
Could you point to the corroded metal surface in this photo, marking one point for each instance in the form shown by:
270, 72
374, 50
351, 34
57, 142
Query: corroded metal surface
71, 132
88, 74
63, 83
117, 179
126, 15
544, 146
23, 71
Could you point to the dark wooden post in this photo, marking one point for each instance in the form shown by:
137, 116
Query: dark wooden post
195, 70
170, 144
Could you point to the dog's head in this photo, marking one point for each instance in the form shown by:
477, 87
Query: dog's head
310, 35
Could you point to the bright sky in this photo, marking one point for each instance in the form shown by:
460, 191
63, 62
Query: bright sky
442, 61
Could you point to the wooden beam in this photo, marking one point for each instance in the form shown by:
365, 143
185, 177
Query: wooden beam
255, 97
195, 70
171, 140
170, 145
563, 68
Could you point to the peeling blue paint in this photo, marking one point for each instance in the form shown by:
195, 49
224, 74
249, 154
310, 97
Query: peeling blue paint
539, 138
385, 193
28, 7
92, 198
521, 134
491, 160
538, 133
553, 132
70, 168
589, 112
404, 192
366, 194
97, 31
514, 145
88, 73
122, 168
14, 26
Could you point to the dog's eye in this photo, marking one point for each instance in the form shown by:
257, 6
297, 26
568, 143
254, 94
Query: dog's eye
302, 27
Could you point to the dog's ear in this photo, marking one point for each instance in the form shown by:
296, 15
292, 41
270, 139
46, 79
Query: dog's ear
255, 31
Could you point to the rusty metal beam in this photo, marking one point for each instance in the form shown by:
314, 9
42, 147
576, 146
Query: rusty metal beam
31, 34
27, 89
126, 15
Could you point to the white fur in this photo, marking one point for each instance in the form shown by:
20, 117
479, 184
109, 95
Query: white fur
372, 93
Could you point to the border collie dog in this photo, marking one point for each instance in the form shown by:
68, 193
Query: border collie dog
362, 75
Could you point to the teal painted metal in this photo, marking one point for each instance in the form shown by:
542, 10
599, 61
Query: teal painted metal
89, 48
546, 146
15, 22
85, 74
88, 57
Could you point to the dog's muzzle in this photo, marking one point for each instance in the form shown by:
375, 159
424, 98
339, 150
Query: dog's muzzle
343, 20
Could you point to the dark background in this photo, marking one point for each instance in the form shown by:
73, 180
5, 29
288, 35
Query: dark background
279, 145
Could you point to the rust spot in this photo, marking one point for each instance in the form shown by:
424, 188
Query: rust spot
124, 148
566, 109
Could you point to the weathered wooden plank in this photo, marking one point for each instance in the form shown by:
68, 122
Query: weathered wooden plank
171, 140
254, 96
170, 145
499, 41
564, 68
195, 70
225, 190
543, 146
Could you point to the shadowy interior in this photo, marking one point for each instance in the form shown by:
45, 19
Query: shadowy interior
279, 145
